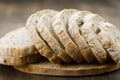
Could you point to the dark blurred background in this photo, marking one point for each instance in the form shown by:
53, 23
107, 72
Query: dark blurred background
14, 13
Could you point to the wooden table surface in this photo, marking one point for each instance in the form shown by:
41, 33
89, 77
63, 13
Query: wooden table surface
14, 13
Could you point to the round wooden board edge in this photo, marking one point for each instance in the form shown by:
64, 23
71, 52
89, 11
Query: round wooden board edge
37, 69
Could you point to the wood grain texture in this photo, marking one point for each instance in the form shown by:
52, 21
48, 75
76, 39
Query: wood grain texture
14, 13
73, 69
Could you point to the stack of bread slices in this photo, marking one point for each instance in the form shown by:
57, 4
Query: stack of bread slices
61, 37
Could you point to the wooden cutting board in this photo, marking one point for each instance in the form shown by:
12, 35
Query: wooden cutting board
73, 69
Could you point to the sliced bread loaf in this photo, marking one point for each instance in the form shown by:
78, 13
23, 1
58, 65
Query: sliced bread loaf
17, 49
75, 22
47, 33
36, 38
60, 25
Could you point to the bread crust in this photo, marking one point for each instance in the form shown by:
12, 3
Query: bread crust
19, 61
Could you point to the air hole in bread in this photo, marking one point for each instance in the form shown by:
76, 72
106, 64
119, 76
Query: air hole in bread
80, 31
55, 50
36, 21
68, 32
98, 31
80, 23
5, 61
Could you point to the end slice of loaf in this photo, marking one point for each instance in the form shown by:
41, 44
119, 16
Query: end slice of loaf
36, 38
15, 46
16, 43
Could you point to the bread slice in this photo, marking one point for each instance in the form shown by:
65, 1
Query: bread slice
19, 61
110, 39
36, 38
15, 46
89, 31
75, 22
60, 25
47, 33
